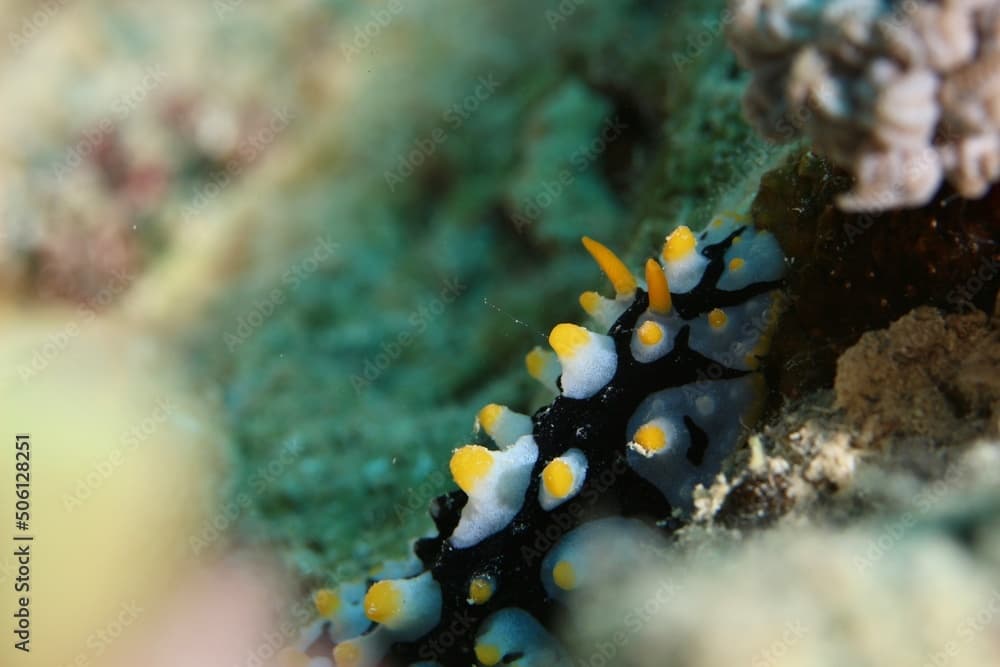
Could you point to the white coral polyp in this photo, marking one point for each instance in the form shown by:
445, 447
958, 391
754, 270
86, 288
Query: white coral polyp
903, 94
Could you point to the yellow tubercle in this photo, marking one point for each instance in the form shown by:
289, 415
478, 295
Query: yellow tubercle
327, 602
480, 590
717, 318
346, 654
616, 271
650, 333
567, 339
736, 263
488, 417
383, 602
651, 437
737, 240
536, 361
659, 289
488, 654
679, 244
557, 477
591, 303
564, 575
469, 465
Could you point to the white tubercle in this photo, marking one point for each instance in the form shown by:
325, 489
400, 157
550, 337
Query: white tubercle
502, 424
682, 263
496, 482
588, 359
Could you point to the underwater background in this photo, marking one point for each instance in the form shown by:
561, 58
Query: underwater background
262, 264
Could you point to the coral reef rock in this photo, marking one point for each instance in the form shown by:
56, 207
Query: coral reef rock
807, 597
869, 269
902, 94
924, 375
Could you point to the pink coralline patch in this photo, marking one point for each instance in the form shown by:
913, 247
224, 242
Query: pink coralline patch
89, 267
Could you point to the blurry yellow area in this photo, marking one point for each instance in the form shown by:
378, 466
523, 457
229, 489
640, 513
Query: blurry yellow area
128, 461
125, 466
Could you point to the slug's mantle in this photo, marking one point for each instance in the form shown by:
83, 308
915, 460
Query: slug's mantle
645, 413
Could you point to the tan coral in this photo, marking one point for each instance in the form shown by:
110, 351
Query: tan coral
926, 375
905, 95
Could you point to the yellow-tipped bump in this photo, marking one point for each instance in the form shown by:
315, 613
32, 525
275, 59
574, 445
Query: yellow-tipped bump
736, 263
558, 478
536, 362
488, 417
650, 333
327, 602
651, 438
564, 575
567, 339
679, 244
383, 602
659, 290
469, 465
616, 271
717, 318
488, 654
591, 303
480, 590
346, 654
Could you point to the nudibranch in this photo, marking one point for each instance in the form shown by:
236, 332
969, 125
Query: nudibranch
561, 499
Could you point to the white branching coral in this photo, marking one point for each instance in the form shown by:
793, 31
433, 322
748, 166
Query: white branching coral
902, 93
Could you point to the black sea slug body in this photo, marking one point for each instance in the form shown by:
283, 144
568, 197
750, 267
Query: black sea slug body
644, 414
